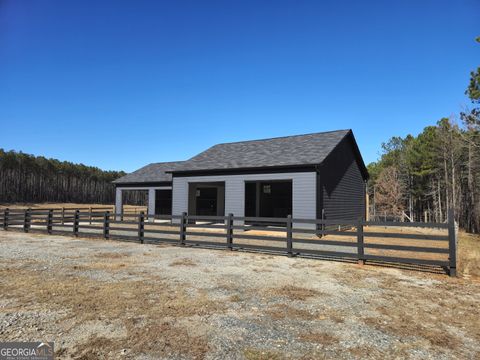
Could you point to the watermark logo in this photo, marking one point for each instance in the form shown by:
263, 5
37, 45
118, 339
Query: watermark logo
26, 350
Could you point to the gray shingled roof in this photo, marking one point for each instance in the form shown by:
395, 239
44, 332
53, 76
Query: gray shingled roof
309, 149
297, 150
151, 173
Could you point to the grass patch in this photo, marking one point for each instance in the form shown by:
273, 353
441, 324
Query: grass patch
100, 266
294, 292
183, 262
160, 307
235, 298
110, 255
469, 254
319, 338
257, 354
280, 312
403, 323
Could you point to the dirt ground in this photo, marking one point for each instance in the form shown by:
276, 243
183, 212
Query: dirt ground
101, 299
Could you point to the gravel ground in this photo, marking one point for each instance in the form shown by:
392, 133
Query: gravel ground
110, 299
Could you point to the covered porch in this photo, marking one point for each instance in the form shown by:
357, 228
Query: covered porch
159, 199
268, 198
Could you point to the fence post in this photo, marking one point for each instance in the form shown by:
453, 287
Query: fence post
289, 236
5, 219
49, 221
183, 228
360, 247
90, 216
452, 244
141, 227
63, 216
26, 221
230, 231
106, 224
76, 220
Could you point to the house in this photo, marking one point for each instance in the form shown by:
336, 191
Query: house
306, 176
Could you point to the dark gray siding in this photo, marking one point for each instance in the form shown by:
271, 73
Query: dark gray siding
341, 186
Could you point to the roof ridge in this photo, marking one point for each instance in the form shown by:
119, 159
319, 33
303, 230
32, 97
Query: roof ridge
164, 162
281, 137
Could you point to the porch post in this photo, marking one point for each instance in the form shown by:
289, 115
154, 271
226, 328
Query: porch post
118, 203
258, 190
151, 204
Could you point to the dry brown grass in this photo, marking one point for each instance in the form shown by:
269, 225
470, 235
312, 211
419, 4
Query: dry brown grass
402, 318
235, 298
323, 312
100, 266
370, 352
258, 354
319, 338
332, 314
281, 312
227, 285
412, 309
183, 262
149, 310
121, 302
111, 255
469, 254
406, 327
293, 292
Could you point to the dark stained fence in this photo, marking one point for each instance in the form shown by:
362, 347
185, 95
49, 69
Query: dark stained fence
304, 237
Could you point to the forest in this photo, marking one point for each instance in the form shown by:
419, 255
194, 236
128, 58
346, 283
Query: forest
418, 178
27, 178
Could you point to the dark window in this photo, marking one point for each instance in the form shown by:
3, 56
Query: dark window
206, 201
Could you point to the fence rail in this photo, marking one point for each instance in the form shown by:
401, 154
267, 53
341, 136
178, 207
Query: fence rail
289, 237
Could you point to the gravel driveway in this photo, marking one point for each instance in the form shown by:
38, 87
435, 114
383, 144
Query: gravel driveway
109, 299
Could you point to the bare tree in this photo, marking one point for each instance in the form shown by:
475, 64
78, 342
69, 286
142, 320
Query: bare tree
390, 192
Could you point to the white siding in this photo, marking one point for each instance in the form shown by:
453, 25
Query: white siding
151, 203
118, 201
303, 184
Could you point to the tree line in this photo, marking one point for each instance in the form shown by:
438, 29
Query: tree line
27, 178
420, 177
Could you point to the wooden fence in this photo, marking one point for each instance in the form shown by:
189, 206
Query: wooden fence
232, 232
96, 211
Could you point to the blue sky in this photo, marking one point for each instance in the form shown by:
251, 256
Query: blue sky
119, 84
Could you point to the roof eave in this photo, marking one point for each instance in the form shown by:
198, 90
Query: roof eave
143, 183
256, 168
